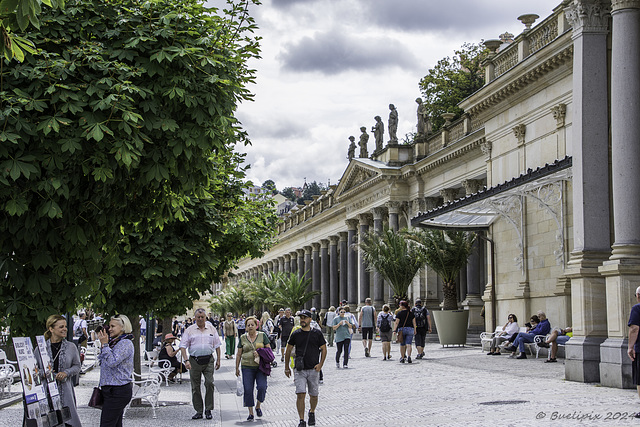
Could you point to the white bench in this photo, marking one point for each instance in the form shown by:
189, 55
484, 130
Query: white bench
487, 337
15, 375
7, 372
146, 387
162, 366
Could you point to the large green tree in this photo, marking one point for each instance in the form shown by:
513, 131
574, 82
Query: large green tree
452, 80
109, 131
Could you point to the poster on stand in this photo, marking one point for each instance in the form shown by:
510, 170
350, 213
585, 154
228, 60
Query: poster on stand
46, 365
35, 395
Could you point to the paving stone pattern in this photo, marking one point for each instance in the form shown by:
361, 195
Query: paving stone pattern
452, 386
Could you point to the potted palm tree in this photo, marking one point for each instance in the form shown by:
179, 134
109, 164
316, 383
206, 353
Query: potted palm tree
446, 252
395, 257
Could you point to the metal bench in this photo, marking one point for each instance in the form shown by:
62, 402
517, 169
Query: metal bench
162, 366
487, 337
146, 387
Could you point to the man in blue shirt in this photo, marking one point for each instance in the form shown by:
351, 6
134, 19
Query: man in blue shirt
542, 328
634, 344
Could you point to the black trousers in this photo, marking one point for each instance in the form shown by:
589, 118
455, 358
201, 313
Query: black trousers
116, 398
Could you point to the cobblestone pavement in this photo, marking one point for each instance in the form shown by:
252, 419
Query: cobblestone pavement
452, 386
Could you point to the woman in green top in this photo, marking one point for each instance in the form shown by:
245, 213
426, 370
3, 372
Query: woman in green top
248, 358
343, 327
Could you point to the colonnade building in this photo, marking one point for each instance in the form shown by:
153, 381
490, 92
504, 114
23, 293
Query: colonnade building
543, 164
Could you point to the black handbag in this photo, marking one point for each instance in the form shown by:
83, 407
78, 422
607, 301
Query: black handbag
96, 398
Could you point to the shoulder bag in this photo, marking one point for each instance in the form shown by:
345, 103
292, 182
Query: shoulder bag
96, 398
399, 337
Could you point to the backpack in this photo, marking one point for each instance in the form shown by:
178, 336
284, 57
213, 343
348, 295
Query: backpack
78, 332
385, 325
420, 316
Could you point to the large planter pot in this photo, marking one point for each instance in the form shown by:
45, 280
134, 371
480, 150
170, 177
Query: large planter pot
452, 326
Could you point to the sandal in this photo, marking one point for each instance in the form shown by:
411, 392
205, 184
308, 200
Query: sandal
550, 361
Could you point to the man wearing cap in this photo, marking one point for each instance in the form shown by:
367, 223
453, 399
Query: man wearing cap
423, 325
201, 339
286, 324
311, 352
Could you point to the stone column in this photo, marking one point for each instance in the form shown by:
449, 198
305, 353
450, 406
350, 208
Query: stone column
315, 282
276, 265
281, 264
622, 270
307, 268
301, 263
334, 284
473, 301
365, 274
378, 281
294, 261
394, 210
269, 267
344, 269
287, 263
324, 275
352, 261
591, 241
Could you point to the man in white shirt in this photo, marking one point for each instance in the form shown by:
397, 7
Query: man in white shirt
201, 339
80, 328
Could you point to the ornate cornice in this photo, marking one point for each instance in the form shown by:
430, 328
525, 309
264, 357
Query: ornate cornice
566, 55
617, 5
588, 16
352, 224
453, 155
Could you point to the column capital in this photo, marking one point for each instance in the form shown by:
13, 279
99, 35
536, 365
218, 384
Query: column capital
588, 16
307, 250
300, 252
333, 240
352, 224
324, 243
379, 212
316, 246
343, 236
449, 194
393, 206
485, 147
472, 186
365, 219
520, 131
559, 113
294, 254
287, 257
617, 5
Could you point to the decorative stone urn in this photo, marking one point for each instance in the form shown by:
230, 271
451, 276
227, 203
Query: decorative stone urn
528, 20
492, 44
447, 117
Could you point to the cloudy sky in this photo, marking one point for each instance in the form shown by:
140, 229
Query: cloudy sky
330, 66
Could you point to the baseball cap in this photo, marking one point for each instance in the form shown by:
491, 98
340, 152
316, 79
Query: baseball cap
305, 313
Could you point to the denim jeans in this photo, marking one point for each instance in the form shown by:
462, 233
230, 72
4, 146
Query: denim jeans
251, 376
523, 338
343, 345
407, 335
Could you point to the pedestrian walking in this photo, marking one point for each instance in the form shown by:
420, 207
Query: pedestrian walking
286, 324
385, 329
405, 325
367, 321
328, 323
248, 358
311, 352
201, 339
343, 326
230, 333
423, 325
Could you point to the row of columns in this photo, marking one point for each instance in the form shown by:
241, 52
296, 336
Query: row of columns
604, 276
334, 264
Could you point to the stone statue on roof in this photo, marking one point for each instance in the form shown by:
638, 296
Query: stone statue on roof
378, 133
352, 148
424, 126
393, 124
364, 138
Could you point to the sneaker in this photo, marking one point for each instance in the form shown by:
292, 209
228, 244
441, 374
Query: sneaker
385, 358
250, 418
637, 415
197, 416
402, 360
419, 356
366, 352
409, 359
522, 356
207, 414
338, 365
302, 423
320, 381
259, 412
389, 357
345, 367
312, 419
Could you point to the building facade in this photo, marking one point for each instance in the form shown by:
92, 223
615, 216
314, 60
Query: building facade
542, 165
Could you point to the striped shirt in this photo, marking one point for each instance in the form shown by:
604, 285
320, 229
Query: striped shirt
200, 342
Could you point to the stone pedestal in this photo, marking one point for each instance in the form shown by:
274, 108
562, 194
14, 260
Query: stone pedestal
582, 356
615, 365
474, 304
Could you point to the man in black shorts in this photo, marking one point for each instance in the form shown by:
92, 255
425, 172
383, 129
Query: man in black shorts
311, 352
367, 321
423, 325
285, 324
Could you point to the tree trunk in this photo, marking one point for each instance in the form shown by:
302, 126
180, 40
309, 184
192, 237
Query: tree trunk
135, 325
450, 293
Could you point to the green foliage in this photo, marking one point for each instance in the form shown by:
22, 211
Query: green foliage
289, 290
311, 189
17, 15
115, 132
270, 185
394, 256
234, 299
446, 252
451, 81
289, 194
